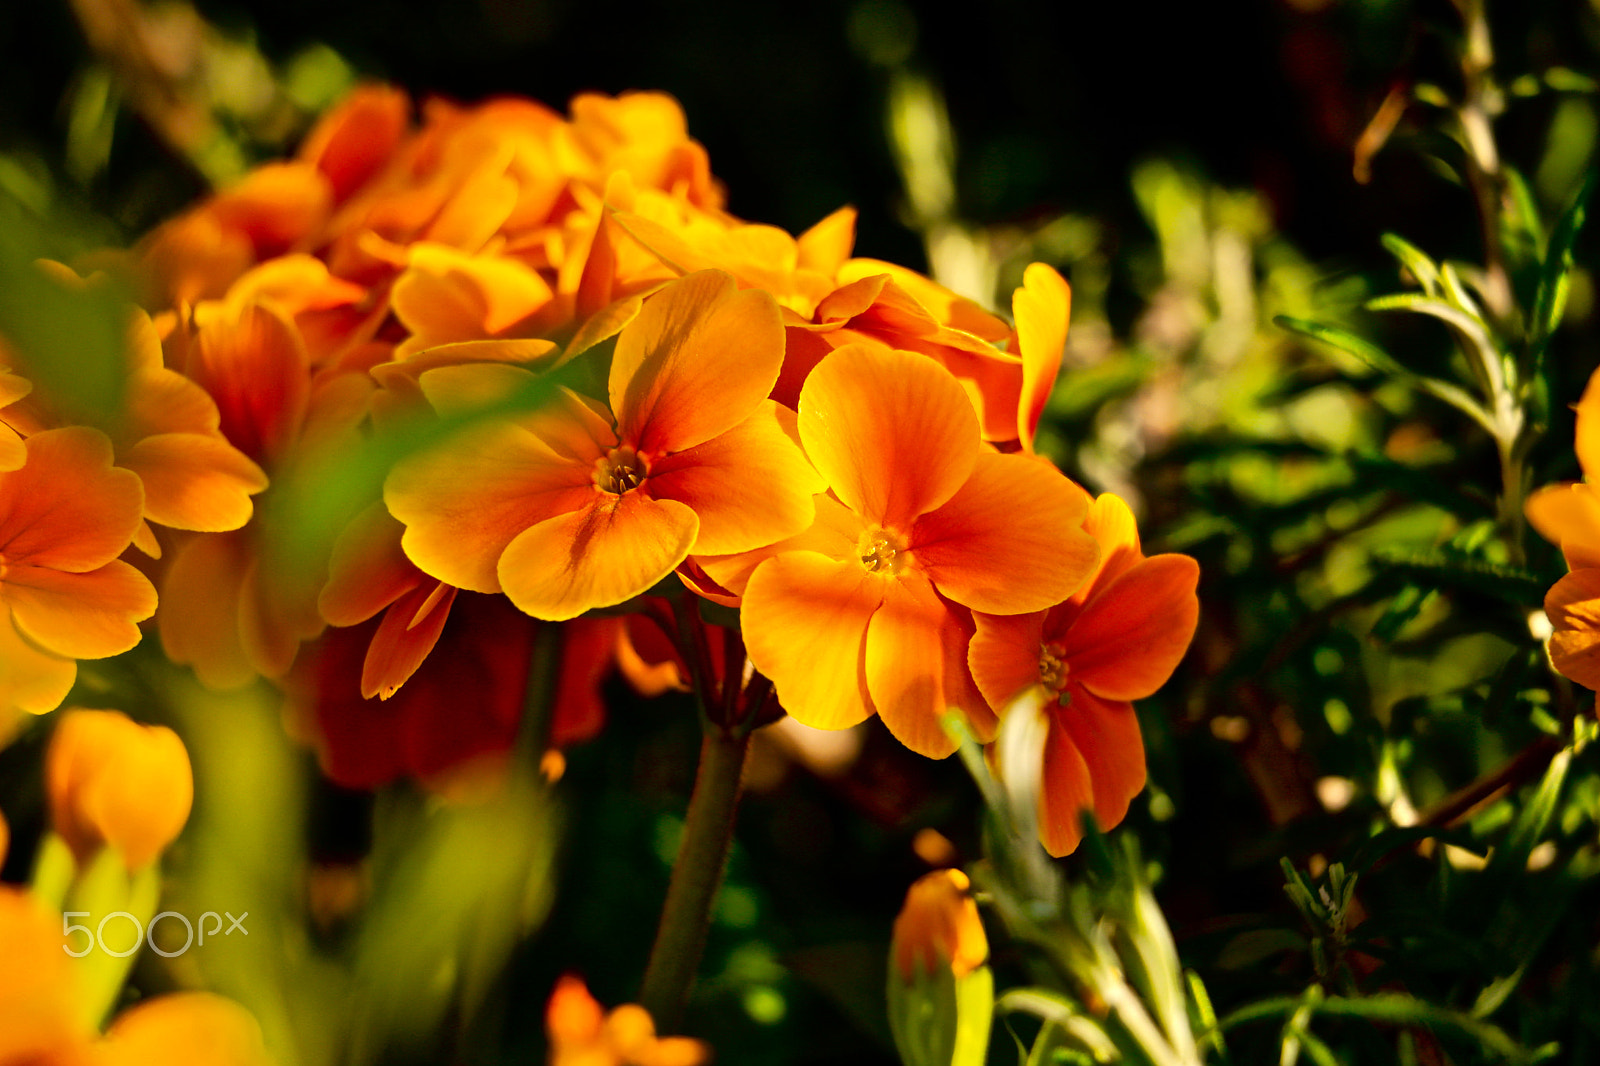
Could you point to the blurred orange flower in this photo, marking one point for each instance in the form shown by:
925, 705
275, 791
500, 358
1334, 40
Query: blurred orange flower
867, 612
115, 782
938, 927
1569, 514
581, 1034
1117, 639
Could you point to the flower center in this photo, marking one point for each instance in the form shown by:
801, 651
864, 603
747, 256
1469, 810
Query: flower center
620, 470
1052, 668
882, 551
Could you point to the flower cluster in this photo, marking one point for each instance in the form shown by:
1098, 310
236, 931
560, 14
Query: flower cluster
837, 447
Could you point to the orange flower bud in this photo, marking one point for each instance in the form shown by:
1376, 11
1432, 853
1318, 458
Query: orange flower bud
580, 1032
114, 781
939, 927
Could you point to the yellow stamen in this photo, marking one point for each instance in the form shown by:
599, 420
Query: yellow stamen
881, 551
1052, 668
621, 470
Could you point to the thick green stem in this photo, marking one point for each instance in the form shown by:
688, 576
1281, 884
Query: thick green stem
702, 856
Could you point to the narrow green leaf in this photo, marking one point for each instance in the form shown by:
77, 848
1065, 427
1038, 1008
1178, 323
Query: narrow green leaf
1446, 568
1550, 303
1425, 270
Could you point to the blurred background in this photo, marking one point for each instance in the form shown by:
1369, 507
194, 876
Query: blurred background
1193, 170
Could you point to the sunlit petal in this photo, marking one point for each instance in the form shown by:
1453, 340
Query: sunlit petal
1133, 632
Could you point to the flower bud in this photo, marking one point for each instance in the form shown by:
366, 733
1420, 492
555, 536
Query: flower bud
941, 995
114, 781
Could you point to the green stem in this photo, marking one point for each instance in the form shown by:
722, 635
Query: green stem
696, 875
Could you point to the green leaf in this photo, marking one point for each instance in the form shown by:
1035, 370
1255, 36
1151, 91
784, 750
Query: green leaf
1550, 303
1379, 359
1445, 568
1534, 819
1393, 1008
1425, 270
70, 339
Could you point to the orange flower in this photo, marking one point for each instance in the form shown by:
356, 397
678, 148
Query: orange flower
64, 519
866, 611
184, 1029
570, 510
41, 1016
1573, 606
938, 927
1569, 514
581, 1034
114, 781
1117, 639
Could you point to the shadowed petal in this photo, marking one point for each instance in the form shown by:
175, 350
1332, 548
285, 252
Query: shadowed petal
805, 620
916, 668
1004, 654
199, 610
891, 432
408, 632
1573, 604
30, 680
600, 555
1011, 540
750, 486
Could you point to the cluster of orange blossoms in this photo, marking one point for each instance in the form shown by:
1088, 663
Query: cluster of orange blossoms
837, 447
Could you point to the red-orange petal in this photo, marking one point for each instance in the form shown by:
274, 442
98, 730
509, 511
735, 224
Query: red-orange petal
68, 508
696, 361
891, 432
750, 486
1010, 541
1134, 631
805, 620
368, 570
916, 668
404, 638
85, 616
1041, 307
1066, 791
1004, 655
1106, 734
609, 551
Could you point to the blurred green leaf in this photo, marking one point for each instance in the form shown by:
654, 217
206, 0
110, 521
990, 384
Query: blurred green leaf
1550, 303
1425, 270
1450, 569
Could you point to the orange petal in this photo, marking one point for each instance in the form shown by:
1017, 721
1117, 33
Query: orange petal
1133, 632
353, 140
195, 481
185, 1029
258, 371
827, 245
916, 668
1110, 522
1065, 792
13, 453
1041, 308
695, 362
403, 640
30, 680
462, 504
1004, 655
805, 620
1106, 734
84, 616
750, 486
114, 781
834, 533
199, 610
611, 550
1587, 437
164, 401
1010, 541
1573, 605
41, 995
68, 508
1566, 514
891, 432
